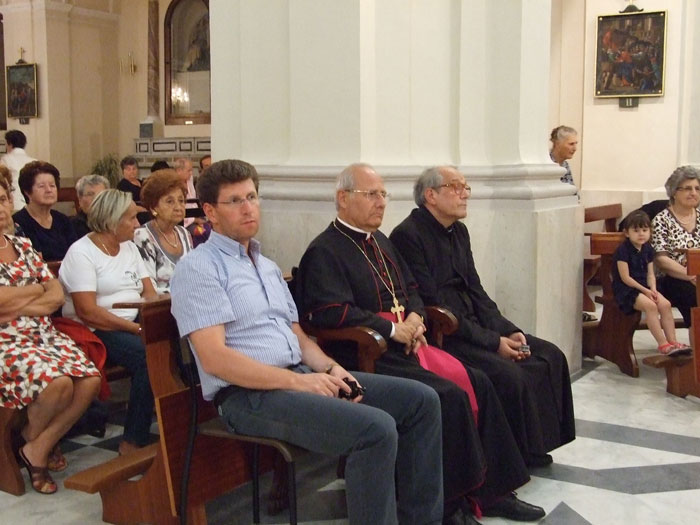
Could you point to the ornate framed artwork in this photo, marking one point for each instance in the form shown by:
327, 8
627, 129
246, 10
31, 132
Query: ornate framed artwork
631, 54
21, 91
187, 63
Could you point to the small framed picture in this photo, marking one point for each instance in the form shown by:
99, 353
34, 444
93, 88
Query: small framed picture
631, 55
21, 91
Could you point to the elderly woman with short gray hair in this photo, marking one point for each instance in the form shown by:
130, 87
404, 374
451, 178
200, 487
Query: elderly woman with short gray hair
87, 189
675, 230
99, 270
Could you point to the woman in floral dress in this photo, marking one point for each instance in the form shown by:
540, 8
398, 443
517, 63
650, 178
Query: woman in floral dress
41, 369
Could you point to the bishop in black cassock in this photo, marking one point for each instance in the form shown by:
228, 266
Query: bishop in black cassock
345, 278
534, 390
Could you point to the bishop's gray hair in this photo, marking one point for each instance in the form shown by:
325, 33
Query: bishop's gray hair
430, 178
678, 177
346, 178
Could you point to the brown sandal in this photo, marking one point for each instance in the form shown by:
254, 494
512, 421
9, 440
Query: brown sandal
57, 461
39, 476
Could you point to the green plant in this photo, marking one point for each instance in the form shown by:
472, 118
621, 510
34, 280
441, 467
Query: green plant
108, 166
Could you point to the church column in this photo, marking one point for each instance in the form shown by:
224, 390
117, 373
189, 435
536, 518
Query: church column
303, 88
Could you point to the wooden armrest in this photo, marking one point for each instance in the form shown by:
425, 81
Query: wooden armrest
441, 322
161, 300
121, 468
370, 344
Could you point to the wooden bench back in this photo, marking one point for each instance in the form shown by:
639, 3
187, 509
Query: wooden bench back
218, 465
693, 268
609, 213
69, 195
605, 244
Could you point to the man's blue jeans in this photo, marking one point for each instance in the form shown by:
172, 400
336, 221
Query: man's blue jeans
393, 440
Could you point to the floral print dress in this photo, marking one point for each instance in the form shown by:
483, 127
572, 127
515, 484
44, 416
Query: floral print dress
33, 352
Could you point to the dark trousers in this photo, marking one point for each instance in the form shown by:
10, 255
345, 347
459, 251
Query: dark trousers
392, 440
127, 350
680, 293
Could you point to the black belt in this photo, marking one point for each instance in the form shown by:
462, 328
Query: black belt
222, 394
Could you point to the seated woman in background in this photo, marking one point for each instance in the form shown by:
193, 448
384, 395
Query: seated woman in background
161, 241
12, 228
130, 178
49, 230
41, 369
674, 230
564, 141
87, 189
99, 270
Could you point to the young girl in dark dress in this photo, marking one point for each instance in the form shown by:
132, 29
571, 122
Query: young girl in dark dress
634, 284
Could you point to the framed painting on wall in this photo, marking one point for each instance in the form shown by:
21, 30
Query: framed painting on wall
21, 91
630, 54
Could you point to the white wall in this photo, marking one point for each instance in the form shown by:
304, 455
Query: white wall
633, 149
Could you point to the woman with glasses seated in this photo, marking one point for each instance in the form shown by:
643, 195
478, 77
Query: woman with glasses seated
99, 270
162, 241
50, 231
675, 230
41, 369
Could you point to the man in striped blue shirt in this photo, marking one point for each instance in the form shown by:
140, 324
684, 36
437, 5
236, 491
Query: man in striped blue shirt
269, 379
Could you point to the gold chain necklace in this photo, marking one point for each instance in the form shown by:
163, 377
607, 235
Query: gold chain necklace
690, 220
175, 245
397, 309
7, 243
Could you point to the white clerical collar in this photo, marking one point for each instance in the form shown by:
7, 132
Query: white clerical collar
353, 228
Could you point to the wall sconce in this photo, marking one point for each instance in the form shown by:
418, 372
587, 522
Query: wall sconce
130, 66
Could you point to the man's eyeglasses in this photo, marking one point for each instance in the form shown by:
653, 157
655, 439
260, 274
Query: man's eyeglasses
237, 203
457, 187
373, 195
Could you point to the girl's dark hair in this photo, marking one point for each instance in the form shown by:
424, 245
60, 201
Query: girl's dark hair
636, 219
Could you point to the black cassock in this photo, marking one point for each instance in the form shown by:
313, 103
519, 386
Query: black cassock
337, 287
535, 392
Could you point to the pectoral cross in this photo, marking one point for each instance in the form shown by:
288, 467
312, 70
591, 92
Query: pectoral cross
397, 310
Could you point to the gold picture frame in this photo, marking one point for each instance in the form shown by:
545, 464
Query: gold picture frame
631, 55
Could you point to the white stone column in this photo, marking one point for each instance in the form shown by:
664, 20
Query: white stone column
302, 88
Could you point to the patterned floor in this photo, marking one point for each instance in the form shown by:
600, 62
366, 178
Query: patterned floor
636, 460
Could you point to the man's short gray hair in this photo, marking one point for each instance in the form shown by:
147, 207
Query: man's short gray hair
346, 178
430, 178
90, 180
107, 210
680, 175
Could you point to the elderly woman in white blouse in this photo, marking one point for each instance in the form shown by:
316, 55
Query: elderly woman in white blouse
162, 242
675, 230
99, 270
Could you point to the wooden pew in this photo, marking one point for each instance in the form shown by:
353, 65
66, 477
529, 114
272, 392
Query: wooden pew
611, 337
683, 373
609, 214
218, 465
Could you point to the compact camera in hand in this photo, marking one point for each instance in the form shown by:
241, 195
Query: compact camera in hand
355, 390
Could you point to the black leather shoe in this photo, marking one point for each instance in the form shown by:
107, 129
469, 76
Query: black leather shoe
459, 517
539, 460
512, 508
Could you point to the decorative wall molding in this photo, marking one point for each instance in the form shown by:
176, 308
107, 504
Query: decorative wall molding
172, 146
516, 182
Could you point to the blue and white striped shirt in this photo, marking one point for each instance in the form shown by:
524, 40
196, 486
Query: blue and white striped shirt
218, 284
